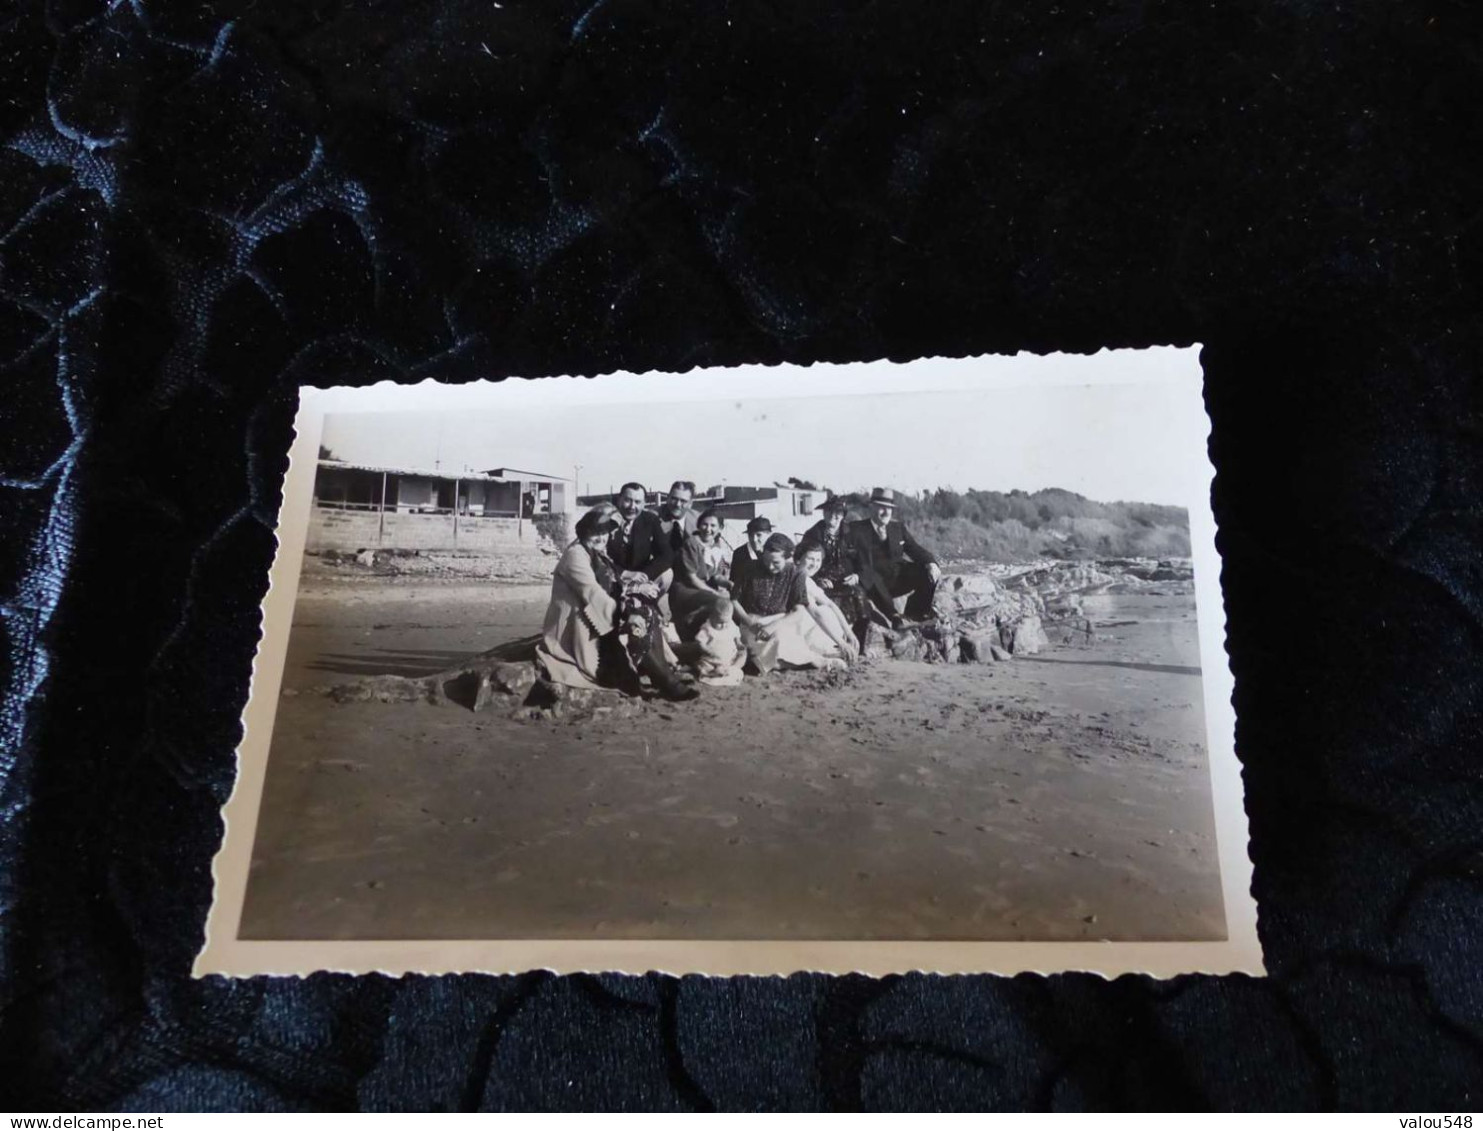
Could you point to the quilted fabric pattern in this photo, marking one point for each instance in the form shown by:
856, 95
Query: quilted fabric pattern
203, 206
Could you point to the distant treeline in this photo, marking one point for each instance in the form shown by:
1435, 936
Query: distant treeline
1023, 526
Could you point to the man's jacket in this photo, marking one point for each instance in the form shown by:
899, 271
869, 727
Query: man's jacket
880, 562
645, 548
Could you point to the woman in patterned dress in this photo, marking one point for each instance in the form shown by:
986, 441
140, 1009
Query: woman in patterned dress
774, 615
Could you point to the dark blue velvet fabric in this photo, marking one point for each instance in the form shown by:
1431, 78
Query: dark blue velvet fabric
203, 206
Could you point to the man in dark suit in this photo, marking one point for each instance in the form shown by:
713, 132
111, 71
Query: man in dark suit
892, 563
640, 544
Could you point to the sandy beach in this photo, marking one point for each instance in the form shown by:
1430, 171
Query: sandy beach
1059, 796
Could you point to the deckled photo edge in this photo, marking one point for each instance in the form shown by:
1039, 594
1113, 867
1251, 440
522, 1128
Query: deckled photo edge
223, 953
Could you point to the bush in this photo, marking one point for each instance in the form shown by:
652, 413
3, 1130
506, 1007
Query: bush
1053, 523
555, 527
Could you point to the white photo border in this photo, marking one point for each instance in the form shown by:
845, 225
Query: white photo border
223, 953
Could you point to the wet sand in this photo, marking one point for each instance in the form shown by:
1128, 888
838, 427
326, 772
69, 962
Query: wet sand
1063, 796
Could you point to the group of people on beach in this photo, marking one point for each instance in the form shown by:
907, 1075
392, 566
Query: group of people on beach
653, 593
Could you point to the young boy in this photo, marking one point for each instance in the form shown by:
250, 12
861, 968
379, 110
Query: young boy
722, 653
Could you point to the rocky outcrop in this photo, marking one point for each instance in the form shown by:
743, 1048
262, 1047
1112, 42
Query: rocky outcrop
383, 689
981, 646
1004, 611
934, 642
1167, 576
1024, 637
475, 686
504, 679
1064, 606
557, 701
1061, 584
976, 598
1054, 579
982, 620
874, 646
478, 684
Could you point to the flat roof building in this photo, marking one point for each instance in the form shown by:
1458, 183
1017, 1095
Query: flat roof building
362, 506
501, 492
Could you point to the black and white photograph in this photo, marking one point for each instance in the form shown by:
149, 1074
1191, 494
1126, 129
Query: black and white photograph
862, 657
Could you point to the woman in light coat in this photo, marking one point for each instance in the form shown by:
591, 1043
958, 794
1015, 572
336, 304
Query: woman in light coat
581, 642
583, 609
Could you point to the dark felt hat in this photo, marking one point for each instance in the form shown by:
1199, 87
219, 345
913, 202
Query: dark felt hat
834, 503
757, 524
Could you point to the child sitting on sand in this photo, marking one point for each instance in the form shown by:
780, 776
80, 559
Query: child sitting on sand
722, 653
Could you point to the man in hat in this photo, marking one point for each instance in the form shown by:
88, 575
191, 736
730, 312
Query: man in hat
749, 554
892, 563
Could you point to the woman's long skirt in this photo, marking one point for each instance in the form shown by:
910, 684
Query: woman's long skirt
788, 644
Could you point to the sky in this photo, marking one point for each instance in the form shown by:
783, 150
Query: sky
1122, 439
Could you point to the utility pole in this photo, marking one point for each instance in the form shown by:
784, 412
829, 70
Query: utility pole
381, 514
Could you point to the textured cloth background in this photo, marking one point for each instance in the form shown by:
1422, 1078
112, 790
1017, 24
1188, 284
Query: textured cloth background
203, 206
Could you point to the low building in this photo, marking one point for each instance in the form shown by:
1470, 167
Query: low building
540, 492
367, 506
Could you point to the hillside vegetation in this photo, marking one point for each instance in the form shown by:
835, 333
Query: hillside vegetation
1020, 526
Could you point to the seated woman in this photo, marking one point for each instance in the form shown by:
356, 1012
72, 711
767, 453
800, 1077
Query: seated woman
700, 583
839, 573
587, 639
831, 628
774, 615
